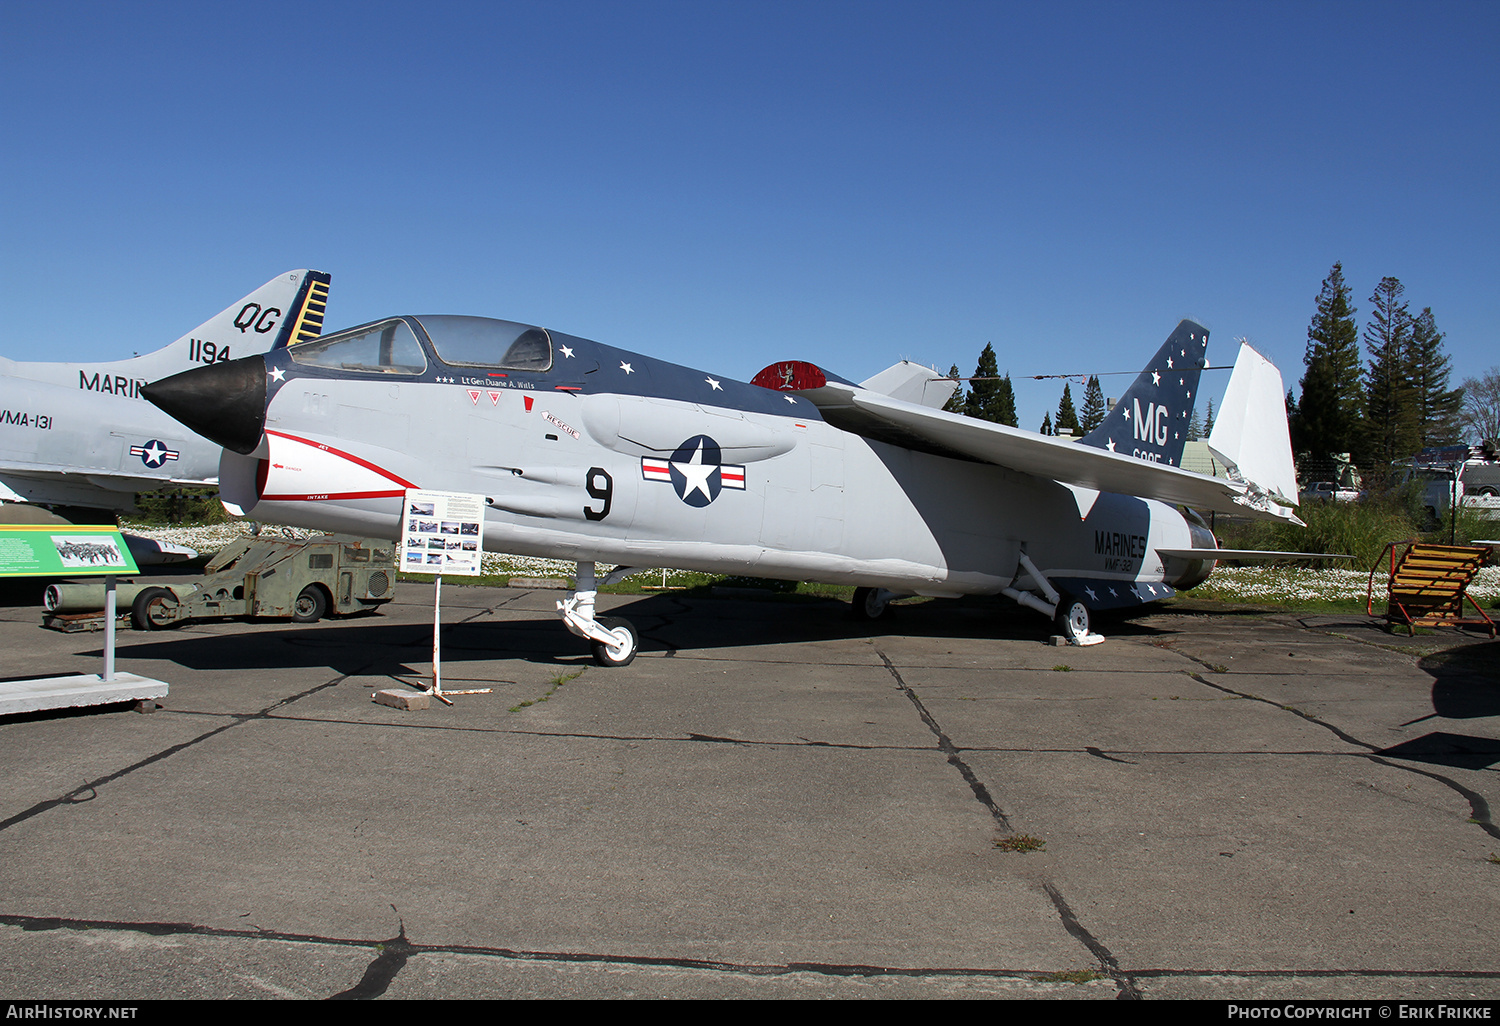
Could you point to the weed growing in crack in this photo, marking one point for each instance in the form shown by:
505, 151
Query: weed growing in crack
1071, 976
1021, 843
557, 681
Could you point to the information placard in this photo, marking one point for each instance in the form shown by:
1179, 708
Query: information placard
63, 550
443, 533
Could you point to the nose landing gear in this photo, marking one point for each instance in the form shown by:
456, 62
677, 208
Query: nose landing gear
614, 639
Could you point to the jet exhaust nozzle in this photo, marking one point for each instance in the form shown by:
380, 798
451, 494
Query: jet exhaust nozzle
223, 402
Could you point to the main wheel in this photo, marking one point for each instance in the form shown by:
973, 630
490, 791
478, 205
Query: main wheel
624, 647
870, 603
152, 609
1072, 619
310, 606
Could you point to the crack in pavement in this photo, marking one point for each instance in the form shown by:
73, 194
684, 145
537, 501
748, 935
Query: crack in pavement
394, 953
1127, 989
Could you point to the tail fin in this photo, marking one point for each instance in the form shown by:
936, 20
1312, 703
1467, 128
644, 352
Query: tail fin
1150, 421
285, 310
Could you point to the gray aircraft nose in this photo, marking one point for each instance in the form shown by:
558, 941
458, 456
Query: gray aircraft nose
223, 402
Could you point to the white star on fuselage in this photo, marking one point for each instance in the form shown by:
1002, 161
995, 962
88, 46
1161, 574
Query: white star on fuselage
790, 399
626, 367
567, 353
277, 374
714, 385
696, 472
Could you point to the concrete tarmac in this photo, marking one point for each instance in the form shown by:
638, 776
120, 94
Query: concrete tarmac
771, 801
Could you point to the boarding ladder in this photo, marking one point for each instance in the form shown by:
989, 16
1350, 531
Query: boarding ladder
1427, 585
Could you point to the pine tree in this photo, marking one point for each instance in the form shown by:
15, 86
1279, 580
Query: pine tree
981, 400
1332, 403
1005, 402
1195, 427
1438, 407
1391, 429
1067, 417
956, 403
1047, 425
1093, 405
1208, 421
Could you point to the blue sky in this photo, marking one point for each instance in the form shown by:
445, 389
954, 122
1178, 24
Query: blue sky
726, 184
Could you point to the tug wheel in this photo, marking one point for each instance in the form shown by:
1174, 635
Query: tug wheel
152, 609
310, 606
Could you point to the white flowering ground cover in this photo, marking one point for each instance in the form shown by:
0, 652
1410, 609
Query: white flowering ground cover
1285, 584
1300, 584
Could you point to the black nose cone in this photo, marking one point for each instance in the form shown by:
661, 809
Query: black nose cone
223, 402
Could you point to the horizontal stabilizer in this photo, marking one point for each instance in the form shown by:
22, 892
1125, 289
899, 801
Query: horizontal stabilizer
1244, 555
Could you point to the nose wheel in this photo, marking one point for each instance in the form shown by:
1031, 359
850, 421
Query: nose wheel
622, 649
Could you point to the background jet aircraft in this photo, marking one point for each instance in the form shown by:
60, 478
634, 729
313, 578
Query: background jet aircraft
78, 437
595, 454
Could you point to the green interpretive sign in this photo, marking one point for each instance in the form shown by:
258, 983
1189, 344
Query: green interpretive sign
63, 550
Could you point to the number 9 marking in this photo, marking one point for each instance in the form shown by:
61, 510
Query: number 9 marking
604, 492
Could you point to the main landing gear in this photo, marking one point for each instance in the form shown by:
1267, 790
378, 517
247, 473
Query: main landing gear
614, 640
871, 603
1068, 614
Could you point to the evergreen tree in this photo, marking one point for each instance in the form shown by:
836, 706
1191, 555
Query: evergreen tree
1195, 427
1047, 425
956, 403
1067, 417
1005, 403
1438, 407
1093, 405
1391, 428
1332, 404
983, 388
1208, 421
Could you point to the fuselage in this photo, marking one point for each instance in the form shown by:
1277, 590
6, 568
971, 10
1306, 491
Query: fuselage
81, 435
587, 452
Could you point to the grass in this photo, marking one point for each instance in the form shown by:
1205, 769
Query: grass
1022, 843
1071, 976
557, 681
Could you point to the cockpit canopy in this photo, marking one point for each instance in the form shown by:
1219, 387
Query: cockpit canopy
392, 347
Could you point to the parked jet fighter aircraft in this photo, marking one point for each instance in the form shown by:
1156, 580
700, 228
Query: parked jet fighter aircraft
594, 454
80, 435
